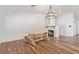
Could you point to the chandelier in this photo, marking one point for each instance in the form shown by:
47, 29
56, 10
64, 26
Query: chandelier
51, 13
51, 17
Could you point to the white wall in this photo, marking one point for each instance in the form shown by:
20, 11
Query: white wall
0, 24
75, 26
78, 26
24, 23
64, 22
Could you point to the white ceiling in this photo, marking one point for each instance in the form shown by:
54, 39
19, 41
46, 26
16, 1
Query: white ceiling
5, 9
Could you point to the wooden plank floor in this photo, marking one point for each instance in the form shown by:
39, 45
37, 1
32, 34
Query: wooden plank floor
62, 45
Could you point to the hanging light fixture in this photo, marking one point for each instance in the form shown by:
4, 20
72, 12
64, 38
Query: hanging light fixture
51, 15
